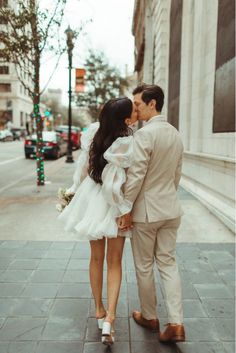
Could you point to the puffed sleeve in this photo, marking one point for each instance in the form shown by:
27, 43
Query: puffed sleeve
119, 157
81, 170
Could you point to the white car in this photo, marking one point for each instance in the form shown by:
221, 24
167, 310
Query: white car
6, 135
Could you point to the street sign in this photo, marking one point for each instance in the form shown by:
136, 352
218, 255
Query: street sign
79, 80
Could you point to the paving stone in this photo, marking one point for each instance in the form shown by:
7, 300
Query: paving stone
201, 265
38, 245
225, 329
24, 264
79, 254
47, 276
215, 291
4, 347
32, 307
229, 347
53, 264
78, 264
11, 289
70, 308
227, 276
8, 253
22, 329
97, 347
199, 329
121, 330
225, 265
122, 308
78, 290
57, 254
12, 244
15, 275
200, 347
59, 347
2, 320
5, 262
189, 291
63, 245
193, 309
221, 308
30, 253
22, 347
40, 290
198, 277
6, 306
63, 329
73, 276
138, 333
152, 347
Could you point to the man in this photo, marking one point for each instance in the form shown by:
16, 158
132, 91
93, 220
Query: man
151, 187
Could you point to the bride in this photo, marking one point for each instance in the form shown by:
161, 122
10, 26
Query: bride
106, 153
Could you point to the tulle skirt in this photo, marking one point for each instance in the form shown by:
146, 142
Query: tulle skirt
89, 216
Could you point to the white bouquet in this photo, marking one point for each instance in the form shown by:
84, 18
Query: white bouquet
65, 196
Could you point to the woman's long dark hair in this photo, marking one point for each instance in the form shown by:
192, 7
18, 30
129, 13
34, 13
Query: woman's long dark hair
112, 125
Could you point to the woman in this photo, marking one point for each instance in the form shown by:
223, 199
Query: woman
98, 201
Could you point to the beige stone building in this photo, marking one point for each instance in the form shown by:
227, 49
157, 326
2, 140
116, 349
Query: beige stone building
187, 47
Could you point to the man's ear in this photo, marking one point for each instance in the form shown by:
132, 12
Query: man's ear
153, 103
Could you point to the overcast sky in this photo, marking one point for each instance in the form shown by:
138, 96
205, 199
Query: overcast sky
109, 31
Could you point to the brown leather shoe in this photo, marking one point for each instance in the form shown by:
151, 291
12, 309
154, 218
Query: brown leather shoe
173, 333
150, 324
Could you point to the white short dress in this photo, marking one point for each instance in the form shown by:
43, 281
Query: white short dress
93, 211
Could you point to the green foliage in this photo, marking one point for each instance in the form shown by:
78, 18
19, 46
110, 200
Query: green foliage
103, 82
29, 30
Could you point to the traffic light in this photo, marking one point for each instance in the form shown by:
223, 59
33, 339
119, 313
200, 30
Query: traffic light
79, 80
47, 113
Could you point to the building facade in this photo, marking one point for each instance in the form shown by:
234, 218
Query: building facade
15, 102
188, 48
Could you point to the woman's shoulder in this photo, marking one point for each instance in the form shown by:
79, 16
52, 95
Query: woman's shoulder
120, 152
88, 135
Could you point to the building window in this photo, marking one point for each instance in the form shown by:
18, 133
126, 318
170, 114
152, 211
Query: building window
174, 62
5, 87
4, 70
21, 119
224, 98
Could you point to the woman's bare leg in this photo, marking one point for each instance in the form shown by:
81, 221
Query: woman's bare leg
96, 274
115, 248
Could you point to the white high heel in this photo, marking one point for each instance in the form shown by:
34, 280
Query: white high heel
100, 322
108, 334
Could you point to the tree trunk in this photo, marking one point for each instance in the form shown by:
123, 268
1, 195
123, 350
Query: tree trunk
39, 124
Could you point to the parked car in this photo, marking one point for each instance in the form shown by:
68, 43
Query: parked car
75, 134
18, 133
6, 135
53, 143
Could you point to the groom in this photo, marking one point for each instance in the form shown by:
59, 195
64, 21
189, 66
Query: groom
151, 187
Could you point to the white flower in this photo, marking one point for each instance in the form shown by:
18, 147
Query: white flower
59, 207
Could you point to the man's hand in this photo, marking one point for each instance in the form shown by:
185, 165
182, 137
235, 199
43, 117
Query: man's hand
125, 222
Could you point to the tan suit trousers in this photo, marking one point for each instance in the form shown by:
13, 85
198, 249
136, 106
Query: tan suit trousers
156, 242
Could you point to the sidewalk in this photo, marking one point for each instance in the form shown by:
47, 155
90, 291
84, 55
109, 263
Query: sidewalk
45, 297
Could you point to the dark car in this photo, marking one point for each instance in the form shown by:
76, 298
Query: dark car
75, 134
53, 144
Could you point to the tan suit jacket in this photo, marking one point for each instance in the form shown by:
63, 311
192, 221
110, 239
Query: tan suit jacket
154, 175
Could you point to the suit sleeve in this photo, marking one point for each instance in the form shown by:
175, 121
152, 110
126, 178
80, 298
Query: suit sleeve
137, 171
178, 173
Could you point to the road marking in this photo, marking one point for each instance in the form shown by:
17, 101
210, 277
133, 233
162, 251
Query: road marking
11, 160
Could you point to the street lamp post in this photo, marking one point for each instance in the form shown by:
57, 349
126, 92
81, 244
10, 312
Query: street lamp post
70, 35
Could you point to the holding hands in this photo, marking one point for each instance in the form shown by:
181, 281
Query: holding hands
125, 222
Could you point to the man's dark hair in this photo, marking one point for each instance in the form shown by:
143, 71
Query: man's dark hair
150, 92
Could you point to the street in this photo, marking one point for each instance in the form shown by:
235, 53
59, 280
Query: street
14, 166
